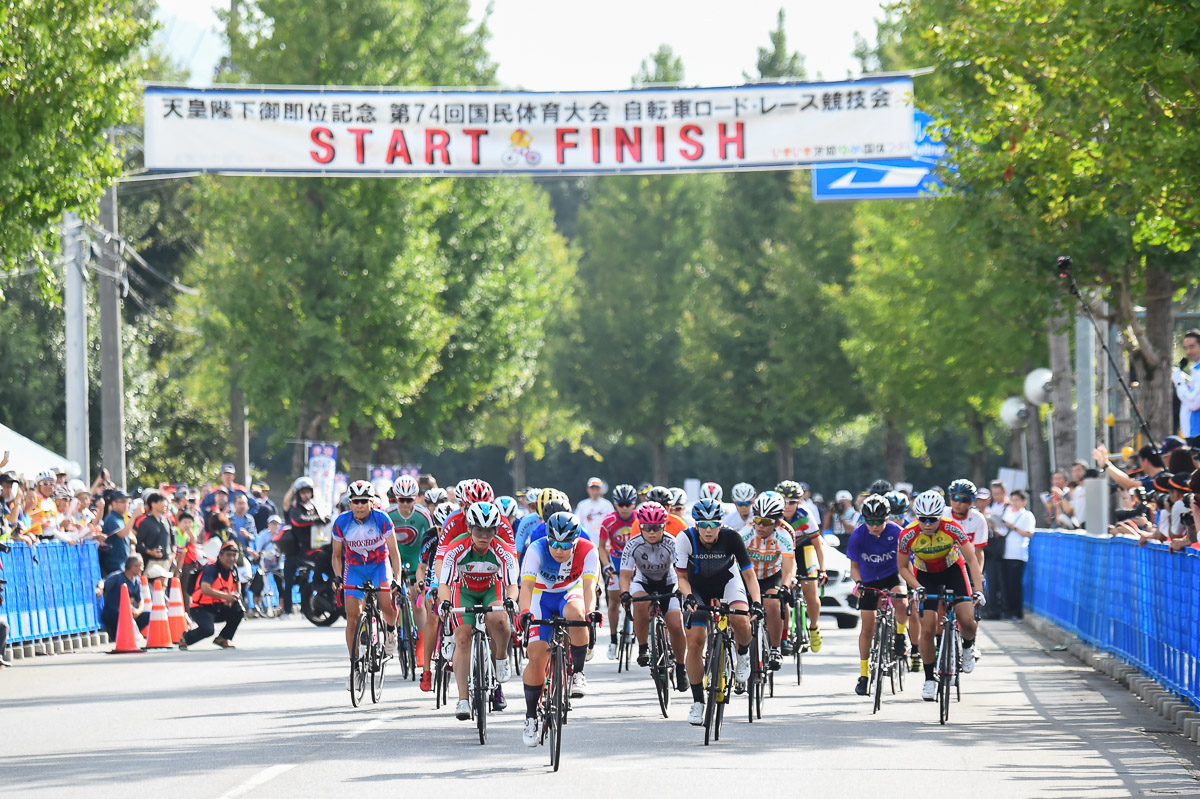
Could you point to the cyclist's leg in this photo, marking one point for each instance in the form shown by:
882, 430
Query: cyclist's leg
429, 632
354, 575
769, 586
497, 622
697, 635
960, 583
614, 599
542, 606
641, 614
735, 597
812, 600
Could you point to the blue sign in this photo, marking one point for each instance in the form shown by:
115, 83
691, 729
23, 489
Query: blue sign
891, 179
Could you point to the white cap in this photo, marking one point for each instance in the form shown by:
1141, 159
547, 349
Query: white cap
842, 495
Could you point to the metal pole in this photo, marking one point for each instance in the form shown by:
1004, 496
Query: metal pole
1114, 399
241, 432
112, 377
1050, 431
75, 311
1085, 389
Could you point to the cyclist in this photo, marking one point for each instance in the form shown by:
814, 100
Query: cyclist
662, 496
594, 508
648, 567
435, 496
810, 553
427, 577
942, 554
898, 511
643, 489
711, 491
772, 548
534, 519
679, 506
711, 562
962, 494
900, 515
743, 495
872, 552
479, 570
614, 533
456, 525
558, 578
530, 501
411, 521
508, 507
364, 548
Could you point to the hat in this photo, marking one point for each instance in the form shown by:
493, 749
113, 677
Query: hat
843, 495
1180, 481
62, 492
595, 481
229, 545
1162, 481
60, 470
262, 486
117, 494
227, 468
9, 477
274, 518
221, 489
983, 493
818, 498
1171, 443
804, 486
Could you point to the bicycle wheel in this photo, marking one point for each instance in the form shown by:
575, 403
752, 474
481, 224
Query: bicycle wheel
877, 665
378, 659
726, 689
753, 686
558, 704
660, 665
406, 645
358, 660
480, 682
801, 634
946, 674
712, 678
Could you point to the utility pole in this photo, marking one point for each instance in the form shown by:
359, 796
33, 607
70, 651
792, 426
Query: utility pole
112, 376
75, 308
240, 427
1085, 389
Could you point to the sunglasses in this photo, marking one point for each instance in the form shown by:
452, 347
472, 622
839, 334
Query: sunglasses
651, 528
765, 522
360, 502
708, 525
481, 532
406, 499
624, 504
743, 504
561, 544
874, 522
929, 519
961, 498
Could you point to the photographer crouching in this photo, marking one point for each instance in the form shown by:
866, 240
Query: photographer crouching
217, 598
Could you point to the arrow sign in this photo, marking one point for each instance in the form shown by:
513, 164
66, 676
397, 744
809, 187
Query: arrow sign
904, 179
898, 177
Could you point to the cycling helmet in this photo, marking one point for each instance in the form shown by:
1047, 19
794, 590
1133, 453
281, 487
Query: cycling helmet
508, 505
551, 495
44, 477
303, 482
709, 510
790, 489
898, 501
875, 508
484, 514
678, 496
435, 496
458, 491
477, 491
929, 504
406, 486
768, 505
531, 496
743, 492
711, 491
643, 488
880, 487
624, 493
939, 491
651, 513
442, 512
62, 492
659, 494
963, 486
563, 526
360, 489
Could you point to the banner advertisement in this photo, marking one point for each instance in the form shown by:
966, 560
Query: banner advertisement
382, 478
322, 466
387, 133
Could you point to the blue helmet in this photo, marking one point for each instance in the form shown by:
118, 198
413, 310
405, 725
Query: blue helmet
508, 505
624, 493
563, 526
707, 510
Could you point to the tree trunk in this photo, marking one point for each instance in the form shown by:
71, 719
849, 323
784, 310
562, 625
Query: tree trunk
1156, 389
359, 449
516, 444
660, 462
978, 451
1038, 467
1059, 332
893, 451
783, 459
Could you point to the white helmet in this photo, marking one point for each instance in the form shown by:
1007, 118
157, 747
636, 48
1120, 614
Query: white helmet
303, 482
435, 496
360, 489
711, 491
406, 486
484, 514
443, 512
743, 492
768, 505
458, 489
678, 496
930, 503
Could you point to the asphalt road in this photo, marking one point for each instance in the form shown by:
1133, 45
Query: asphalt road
273, 718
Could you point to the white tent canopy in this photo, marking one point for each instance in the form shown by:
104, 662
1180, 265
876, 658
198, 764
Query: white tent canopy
27, 458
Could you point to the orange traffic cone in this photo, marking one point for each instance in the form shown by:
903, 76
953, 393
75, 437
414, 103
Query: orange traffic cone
159, 636
175, 615
126, 637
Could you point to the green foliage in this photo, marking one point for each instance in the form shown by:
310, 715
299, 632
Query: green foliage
66, 77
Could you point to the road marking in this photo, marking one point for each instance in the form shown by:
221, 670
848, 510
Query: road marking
368, 726
264, 776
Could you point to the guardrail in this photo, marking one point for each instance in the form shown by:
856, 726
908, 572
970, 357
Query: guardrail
1139, 603
50, 603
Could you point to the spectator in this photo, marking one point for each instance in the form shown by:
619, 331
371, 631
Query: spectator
217, 598
81, 512
1059, 510
266, 508
993, 568
1186, 378
844, 513
10, 510
217, 505
232, 490
1149, 464
117, 527
269, 559
241, 523
187, 564
297, 540
1017, 525
131, 579
593, 509
4, 662
809, 503
983, 498
154, 538
40, 507
60, 527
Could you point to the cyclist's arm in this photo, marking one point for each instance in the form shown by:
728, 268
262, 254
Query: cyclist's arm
855, 574
626, 578
906, 572
685, 587
525, 597
820, 550
972, 560
339, 568
751, 581
589, 593
602, 550
394, 557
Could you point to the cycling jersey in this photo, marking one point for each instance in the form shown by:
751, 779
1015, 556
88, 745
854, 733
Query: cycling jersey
734, 521
540, 569
410, 531
650, 563
615, 532
974, 525
874, 554
768, 552
524, 528
365, 541
478, 571
936, 551
804, 526
712, 566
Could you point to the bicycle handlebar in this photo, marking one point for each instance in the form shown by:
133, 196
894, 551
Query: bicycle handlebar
559, 621
881, 592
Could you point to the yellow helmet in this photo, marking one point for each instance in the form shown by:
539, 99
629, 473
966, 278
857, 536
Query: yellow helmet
548, 495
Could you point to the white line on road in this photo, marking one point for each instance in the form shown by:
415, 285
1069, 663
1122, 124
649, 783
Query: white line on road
368, 726
264, 776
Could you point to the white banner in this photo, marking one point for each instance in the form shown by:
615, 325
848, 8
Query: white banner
346, 131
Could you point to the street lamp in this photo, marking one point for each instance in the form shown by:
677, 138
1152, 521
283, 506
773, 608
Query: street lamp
1039, 385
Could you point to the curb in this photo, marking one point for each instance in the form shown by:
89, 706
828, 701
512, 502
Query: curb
1176, 711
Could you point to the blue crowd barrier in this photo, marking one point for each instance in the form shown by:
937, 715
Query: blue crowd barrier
52, 596
1139, 603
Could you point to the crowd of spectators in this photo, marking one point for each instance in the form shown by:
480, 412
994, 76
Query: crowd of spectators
1157, 489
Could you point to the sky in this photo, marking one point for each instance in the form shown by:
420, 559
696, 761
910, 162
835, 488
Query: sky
551, 45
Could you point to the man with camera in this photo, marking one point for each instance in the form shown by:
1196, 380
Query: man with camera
1186, 378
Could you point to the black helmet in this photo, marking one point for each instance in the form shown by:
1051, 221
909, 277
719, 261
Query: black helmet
659, 494
875, 508
880, 487
790, 489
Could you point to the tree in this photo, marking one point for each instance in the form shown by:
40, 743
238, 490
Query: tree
68, 74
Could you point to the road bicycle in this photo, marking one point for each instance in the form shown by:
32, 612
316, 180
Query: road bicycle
406, 632
625, 640
368, 654
883, 660
718, 668
762, 679
443, 652
556, 691
481, 674
662, 657
800, 637
949, 654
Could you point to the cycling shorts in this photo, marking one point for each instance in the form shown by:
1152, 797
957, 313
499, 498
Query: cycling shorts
380, 575
548, 604
650, 587
766, 584
808, 558
954, 579
462, 598
614, 582
869, 600
734, 590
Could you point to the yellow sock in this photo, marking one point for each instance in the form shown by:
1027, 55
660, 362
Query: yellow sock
863, 670
901, 628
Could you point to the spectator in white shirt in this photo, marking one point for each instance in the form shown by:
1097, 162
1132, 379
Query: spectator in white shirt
593, 509
1016, 527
